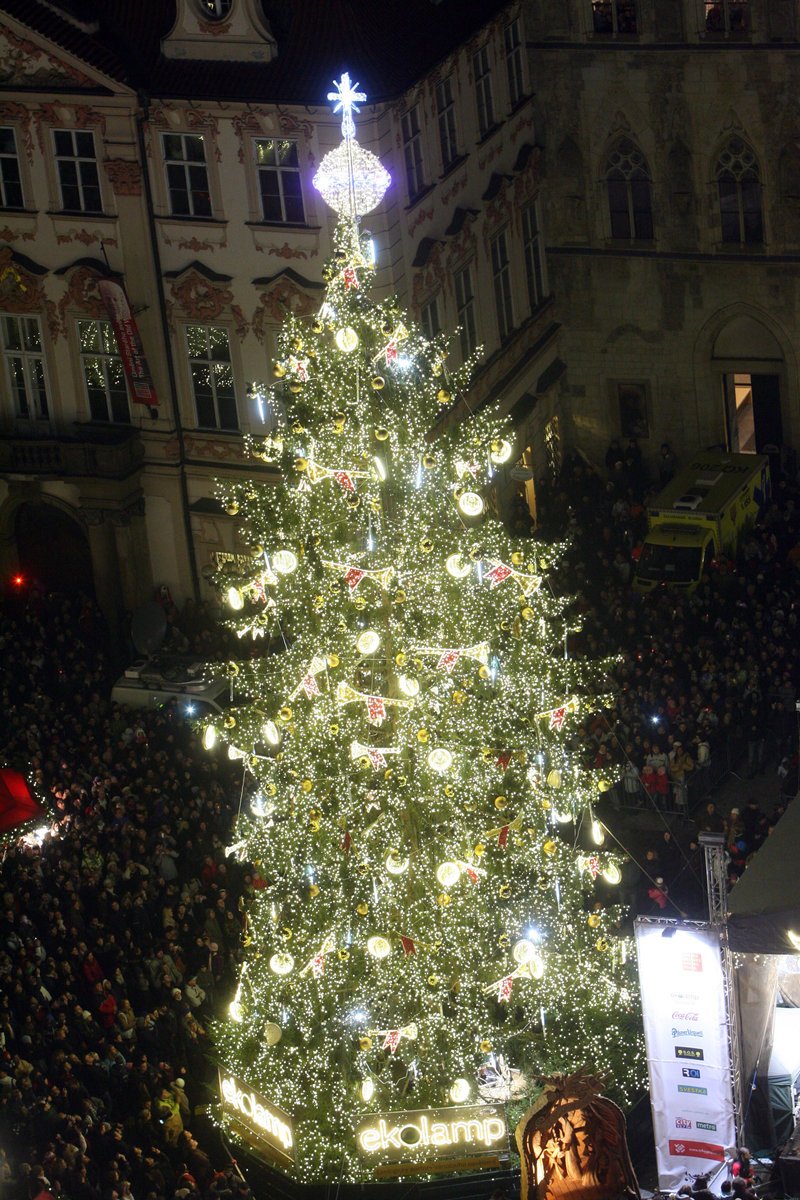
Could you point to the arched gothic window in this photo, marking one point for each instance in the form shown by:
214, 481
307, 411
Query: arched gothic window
629, 200
739, 183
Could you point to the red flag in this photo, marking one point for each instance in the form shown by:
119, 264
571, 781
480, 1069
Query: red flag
392, 1040
344, 480
310, 686
503, 760
346, 841
557, 717
497, 574
350, 278
376, 709
376, 758
503, 838
318, 964
593, 866
448, 660
353, 577
131, 351
472, 876
504, 990
408, 945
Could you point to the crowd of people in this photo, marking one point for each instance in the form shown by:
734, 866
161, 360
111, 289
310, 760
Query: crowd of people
119, 933
704, 678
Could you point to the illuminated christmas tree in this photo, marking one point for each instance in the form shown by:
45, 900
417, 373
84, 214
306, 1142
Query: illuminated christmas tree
437, 926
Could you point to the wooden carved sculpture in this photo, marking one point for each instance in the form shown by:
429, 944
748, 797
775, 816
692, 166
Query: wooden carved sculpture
572, 1144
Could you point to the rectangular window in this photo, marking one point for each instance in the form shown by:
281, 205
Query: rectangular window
513, 45
727, 16
446, 113
465, 308
24, 366
482, 73
212, 377
412, 152
278, 166
614, 16
501, 273
103, 375
534, 256
76, 164
429, 319
10, 181
187, 174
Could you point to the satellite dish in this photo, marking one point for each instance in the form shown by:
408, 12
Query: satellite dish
148, 627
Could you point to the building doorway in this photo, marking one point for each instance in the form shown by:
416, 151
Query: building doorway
753, 412
39, 528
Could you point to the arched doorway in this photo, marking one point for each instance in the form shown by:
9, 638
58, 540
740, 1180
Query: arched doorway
52, 548
751, 365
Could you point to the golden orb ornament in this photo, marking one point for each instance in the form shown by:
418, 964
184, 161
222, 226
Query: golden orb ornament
500, 802
593, 921
486, 1046
296, 386
549, 848
285, 714
313, 891
433, 981
504, 891
364, 1043
232, 508
301, 465
428, 460
362, 909
443, 899
426, 545
381, 433
517, 559
444, 396
422, 736
378, 383
272, 1033
278, 370
343, 954
601, 945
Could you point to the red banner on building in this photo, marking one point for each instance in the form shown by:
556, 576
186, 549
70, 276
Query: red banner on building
134, 363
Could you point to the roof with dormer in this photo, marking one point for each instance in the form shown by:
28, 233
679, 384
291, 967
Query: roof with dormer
387, 45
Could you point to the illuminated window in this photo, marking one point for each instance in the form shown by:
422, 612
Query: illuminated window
552, 446
446, 113
482, 74
739, 184
501, 274
429, 319
187, 174
727, 16
629, 201
10, 181
212, 377
512, 38
465, 308
103, 375
534, 255
612, 17
412, 152
77, 170
24, 366
278, 166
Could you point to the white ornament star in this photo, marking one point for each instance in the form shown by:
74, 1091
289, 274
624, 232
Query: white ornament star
346, 99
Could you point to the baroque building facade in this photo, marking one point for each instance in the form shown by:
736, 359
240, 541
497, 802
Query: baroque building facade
168, 150
671, 203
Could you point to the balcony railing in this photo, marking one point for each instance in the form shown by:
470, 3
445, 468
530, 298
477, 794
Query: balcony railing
70, 457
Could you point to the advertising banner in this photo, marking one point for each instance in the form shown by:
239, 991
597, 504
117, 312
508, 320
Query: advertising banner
134, 363
267, 1129
434, 1136
686, 1035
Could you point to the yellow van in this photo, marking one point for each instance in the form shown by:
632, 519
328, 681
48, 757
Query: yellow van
701, 514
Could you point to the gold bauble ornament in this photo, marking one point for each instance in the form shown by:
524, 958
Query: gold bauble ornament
593, 920
479, 850
285, 714
400, 659
230, 721
298, 427
503, 941
554, 778
298, 345
232, 508
295, 386
364, 1043
333, 661
307, 785
549, 848
603, 785
363, 908
428, 460
527, 613
449, 790
333, 729
272, 1033
314, 824
517, 559
381, 433
257, 550
278, 370
545, 804
459, 697
500, 803
504, 891
443, 899
433, 981
364, 762
301, 465
483, 672
601, 944
286, 933
359, 603
444, 396
353, 501
317, 327
487, 754
426, 545
486, 1046
422, 736
313, 891
400, 597
378, 383
343, 955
